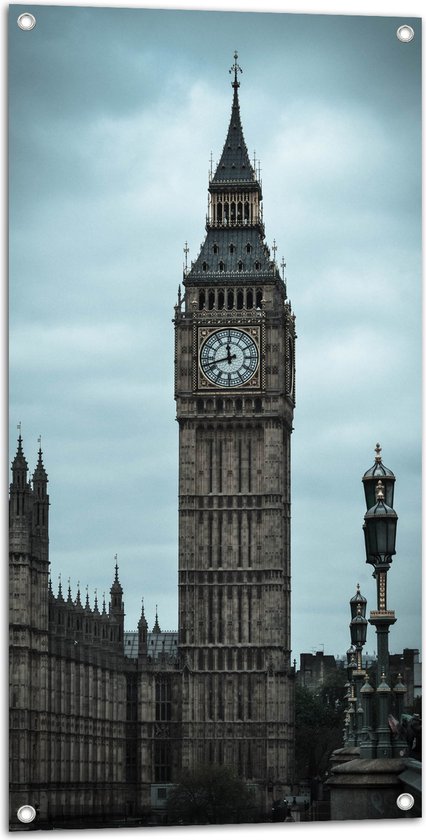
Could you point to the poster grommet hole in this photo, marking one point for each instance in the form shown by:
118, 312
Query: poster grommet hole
26, 21
405, 801
26, 813
405, 33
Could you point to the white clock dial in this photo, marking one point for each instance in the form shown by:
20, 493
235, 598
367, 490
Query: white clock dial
229, 358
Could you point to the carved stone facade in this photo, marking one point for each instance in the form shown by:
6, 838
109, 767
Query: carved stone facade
103, 721
91, 728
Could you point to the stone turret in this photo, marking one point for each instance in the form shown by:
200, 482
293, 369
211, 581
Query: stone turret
116, 609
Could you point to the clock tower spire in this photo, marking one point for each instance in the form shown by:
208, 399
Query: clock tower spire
234, 391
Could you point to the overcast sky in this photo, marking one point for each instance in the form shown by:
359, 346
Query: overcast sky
113, 115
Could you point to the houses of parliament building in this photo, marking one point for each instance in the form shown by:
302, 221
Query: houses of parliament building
102, 721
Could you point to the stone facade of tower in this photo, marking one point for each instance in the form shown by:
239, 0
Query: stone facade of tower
234, 389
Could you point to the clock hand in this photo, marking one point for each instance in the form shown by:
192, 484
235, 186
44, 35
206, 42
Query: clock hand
224, 359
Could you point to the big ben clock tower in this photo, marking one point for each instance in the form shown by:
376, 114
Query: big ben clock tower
234, 389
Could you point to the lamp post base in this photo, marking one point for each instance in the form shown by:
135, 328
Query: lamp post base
366, 789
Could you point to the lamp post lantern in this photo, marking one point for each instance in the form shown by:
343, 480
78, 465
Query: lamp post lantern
378, 472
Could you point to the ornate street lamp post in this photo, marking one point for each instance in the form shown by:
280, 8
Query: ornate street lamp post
358, 785
380, 536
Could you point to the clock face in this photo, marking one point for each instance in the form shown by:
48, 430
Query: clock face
229, 358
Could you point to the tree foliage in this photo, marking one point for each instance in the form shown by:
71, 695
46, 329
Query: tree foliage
210, 795
319, 725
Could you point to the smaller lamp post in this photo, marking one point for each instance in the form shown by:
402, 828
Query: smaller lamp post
351, 698
358, 628
367, 747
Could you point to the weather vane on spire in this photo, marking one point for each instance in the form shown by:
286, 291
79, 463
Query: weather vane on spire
235, 69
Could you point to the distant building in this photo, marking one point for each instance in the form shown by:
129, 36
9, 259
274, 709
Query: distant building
315, 669
409, 666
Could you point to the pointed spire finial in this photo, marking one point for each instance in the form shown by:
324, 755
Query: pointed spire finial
78, 596
235, 69
156, 628
116, 568
40, 473
186, 252
274, 248
19, 460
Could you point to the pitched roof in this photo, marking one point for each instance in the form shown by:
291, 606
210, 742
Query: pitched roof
238, 253
158, 644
